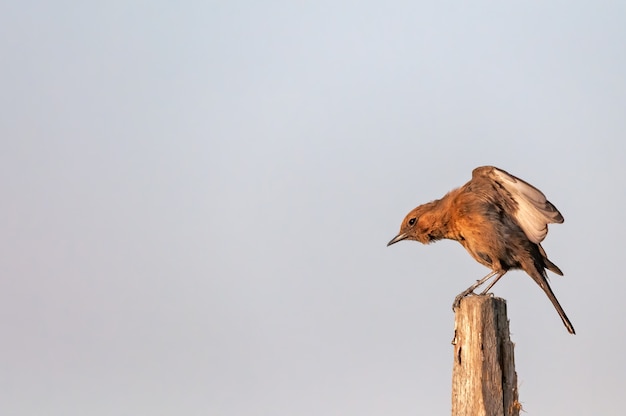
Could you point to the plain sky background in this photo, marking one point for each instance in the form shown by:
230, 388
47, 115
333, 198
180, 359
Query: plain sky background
196, 199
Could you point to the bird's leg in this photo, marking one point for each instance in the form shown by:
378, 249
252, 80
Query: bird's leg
457, 300
493, 282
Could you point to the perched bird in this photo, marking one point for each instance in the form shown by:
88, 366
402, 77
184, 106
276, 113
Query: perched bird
501, 221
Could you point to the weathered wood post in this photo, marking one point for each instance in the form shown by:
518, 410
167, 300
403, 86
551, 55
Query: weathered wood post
484, 382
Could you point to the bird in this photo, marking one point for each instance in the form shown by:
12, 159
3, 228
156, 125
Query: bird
500, 220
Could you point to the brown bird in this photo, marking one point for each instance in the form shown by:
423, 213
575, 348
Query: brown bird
500, 220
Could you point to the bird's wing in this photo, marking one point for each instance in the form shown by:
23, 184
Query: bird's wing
534, 212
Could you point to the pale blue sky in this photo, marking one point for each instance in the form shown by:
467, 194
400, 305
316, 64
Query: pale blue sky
197, 198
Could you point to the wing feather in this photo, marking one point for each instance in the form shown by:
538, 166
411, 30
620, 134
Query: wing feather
534, 212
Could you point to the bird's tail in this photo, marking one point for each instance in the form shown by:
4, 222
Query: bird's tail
552, 267
542, 280
548, 264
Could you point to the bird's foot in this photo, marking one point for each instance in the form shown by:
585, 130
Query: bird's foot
457, 301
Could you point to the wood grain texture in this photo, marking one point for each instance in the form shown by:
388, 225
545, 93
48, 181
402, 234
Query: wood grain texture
484, 382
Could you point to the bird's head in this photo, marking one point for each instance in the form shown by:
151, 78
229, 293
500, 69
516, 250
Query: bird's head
416, 225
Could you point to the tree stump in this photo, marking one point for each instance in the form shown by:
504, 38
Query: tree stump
484, 382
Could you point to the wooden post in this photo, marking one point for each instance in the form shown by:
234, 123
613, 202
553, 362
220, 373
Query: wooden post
484, 382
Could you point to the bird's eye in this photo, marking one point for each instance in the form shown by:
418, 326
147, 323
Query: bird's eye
412, 221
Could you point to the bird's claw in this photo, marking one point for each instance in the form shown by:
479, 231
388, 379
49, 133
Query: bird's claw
457, 300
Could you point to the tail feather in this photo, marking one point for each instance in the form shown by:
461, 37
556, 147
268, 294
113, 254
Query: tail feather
542, 281
548, 264
552, 267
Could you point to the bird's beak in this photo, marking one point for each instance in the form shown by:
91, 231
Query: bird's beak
397, 238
